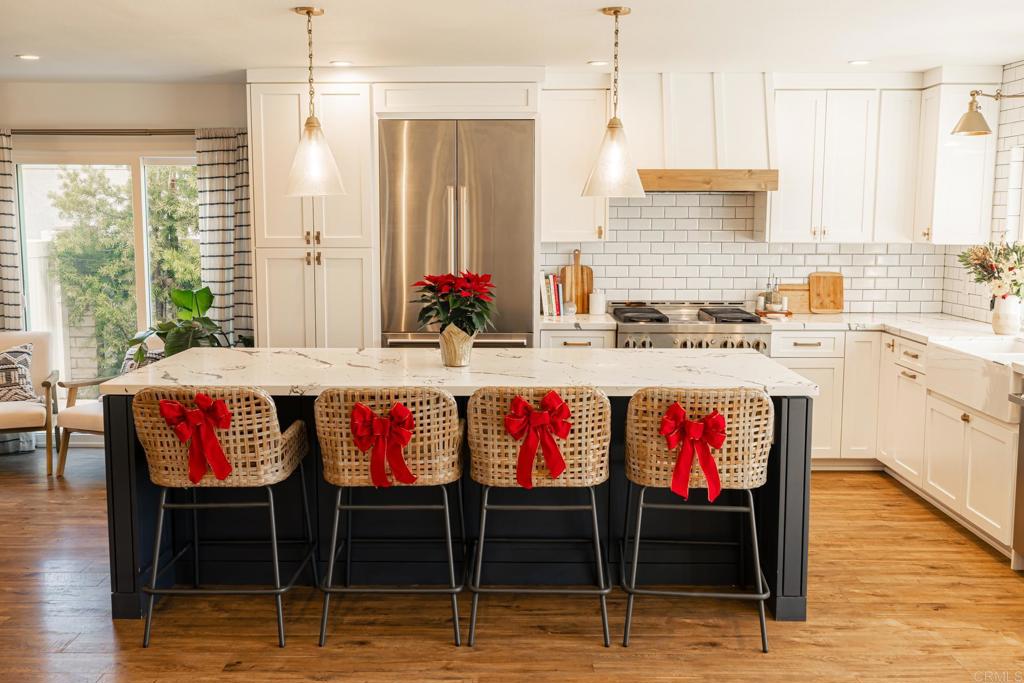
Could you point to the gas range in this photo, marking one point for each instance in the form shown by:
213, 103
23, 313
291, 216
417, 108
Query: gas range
688, 325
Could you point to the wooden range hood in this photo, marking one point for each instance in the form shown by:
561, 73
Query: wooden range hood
709, 180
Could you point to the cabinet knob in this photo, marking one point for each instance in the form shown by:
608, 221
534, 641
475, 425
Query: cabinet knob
824, 231
965, 418
319, 258
927, 234
307, 236
600, 232
309, 259
891, 345
316, 237
814, 232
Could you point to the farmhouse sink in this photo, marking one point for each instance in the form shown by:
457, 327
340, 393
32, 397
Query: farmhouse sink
978, 373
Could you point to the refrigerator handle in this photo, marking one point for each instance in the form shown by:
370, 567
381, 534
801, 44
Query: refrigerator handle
463, 226
451, 227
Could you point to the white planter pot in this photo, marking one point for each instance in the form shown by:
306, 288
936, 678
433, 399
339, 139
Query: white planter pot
1006, 315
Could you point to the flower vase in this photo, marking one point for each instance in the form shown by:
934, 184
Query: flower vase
1006, 315
456, 347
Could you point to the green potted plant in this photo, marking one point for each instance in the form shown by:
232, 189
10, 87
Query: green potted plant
462, 305
191, 328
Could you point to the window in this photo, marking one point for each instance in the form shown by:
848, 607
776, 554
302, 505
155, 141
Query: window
106, 235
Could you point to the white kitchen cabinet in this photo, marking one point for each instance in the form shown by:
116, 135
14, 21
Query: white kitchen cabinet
741, 120
906, 424
285, 298
848, 173
690, 123
276, 115
944, 452
955, 172
885, 397
990, 472
641, 108
827, 410
597, 339
800, 157
343, 284
860, 394
313, 298
899, 122
572, 125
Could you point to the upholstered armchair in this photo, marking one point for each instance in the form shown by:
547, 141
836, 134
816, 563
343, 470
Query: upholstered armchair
32, 416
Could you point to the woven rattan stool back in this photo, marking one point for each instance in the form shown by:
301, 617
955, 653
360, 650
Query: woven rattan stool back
743, 460
494, 452
252, 444
432, 454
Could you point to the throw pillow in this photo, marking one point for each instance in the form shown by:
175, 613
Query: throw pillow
16, 374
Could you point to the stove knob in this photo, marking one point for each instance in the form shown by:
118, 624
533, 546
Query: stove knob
647, 343
703, 344
683, 343
759, 345
728, 344
743, 344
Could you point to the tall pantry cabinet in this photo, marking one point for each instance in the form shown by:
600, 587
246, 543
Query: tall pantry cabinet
313, 256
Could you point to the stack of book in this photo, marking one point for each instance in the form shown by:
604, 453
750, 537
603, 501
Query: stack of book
550, 294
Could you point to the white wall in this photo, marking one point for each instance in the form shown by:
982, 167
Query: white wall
121, 105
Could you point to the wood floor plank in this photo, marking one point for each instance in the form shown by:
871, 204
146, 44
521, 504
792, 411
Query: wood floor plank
897, 592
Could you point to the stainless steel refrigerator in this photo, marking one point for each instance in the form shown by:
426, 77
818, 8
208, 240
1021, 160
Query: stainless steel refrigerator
457, 195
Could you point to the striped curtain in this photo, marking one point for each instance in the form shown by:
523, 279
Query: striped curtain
225, 253
12, 311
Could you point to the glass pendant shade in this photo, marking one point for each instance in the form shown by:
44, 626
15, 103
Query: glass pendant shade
314, 172
614, 174
972, 123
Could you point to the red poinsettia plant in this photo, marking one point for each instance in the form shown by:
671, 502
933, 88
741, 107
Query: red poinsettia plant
464, 300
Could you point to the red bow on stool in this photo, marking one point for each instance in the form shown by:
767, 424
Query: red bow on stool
538, 426
387, 436
689, 437
198, 424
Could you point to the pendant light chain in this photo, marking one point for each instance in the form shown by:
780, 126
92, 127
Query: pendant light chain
615, 70
309, 37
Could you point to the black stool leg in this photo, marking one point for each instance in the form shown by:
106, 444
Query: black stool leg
451, 566
156, 565
348, 537
462, 518
330, 568
195, 542
277, 569
308, 523
636, 558
600, 567
757, 571
478, 565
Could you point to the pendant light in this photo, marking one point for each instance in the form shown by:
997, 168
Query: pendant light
614, 174
314, 172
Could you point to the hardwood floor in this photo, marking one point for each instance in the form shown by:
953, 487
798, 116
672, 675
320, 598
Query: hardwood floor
898, 592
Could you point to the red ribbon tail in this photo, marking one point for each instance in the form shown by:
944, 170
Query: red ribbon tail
196, 461
378, 473
215, 457
552, 455
524, 465
681, 473
396, 460
710, 469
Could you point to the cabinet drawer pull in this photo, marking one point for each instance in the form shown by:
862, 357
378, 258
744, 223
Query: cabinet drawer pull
911, 354
309, 259
908, 375
965, 418
811, 344
576, 343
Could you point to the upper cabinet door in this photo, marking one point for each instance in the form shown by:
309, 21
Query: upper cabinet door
572, 126
928, 141
848, 182
346, 220
276, 115
690, 124
741, 121
899, 122
641, 108
799, 142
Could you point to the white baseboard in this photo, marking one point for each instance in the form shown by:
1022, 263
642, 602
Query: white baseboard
846, 465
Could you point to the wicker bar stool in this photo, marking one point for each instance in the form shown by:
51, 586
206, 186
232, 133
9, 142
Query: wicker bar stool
260, 456
742, 465
494, 457
432, 455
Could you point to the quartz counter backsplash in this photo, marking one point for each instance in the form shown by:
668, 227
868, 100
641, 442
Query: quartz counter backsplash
702, 246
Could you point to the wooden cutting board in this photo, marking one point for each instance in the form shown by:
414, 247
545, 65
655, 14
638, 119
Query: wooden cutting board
825, 292
577, 283
799, 297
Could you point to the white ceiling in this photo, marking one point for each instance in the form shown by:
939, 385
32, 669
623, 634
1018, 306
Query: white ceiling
216, 40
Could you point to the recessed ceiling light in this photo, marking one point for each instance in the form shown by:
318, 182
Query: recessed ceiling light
598, 62
340, 62
28, 58
859, 62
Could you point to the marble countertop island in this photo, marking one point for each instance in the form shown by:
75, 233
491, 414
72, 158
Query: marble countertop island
618, 372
